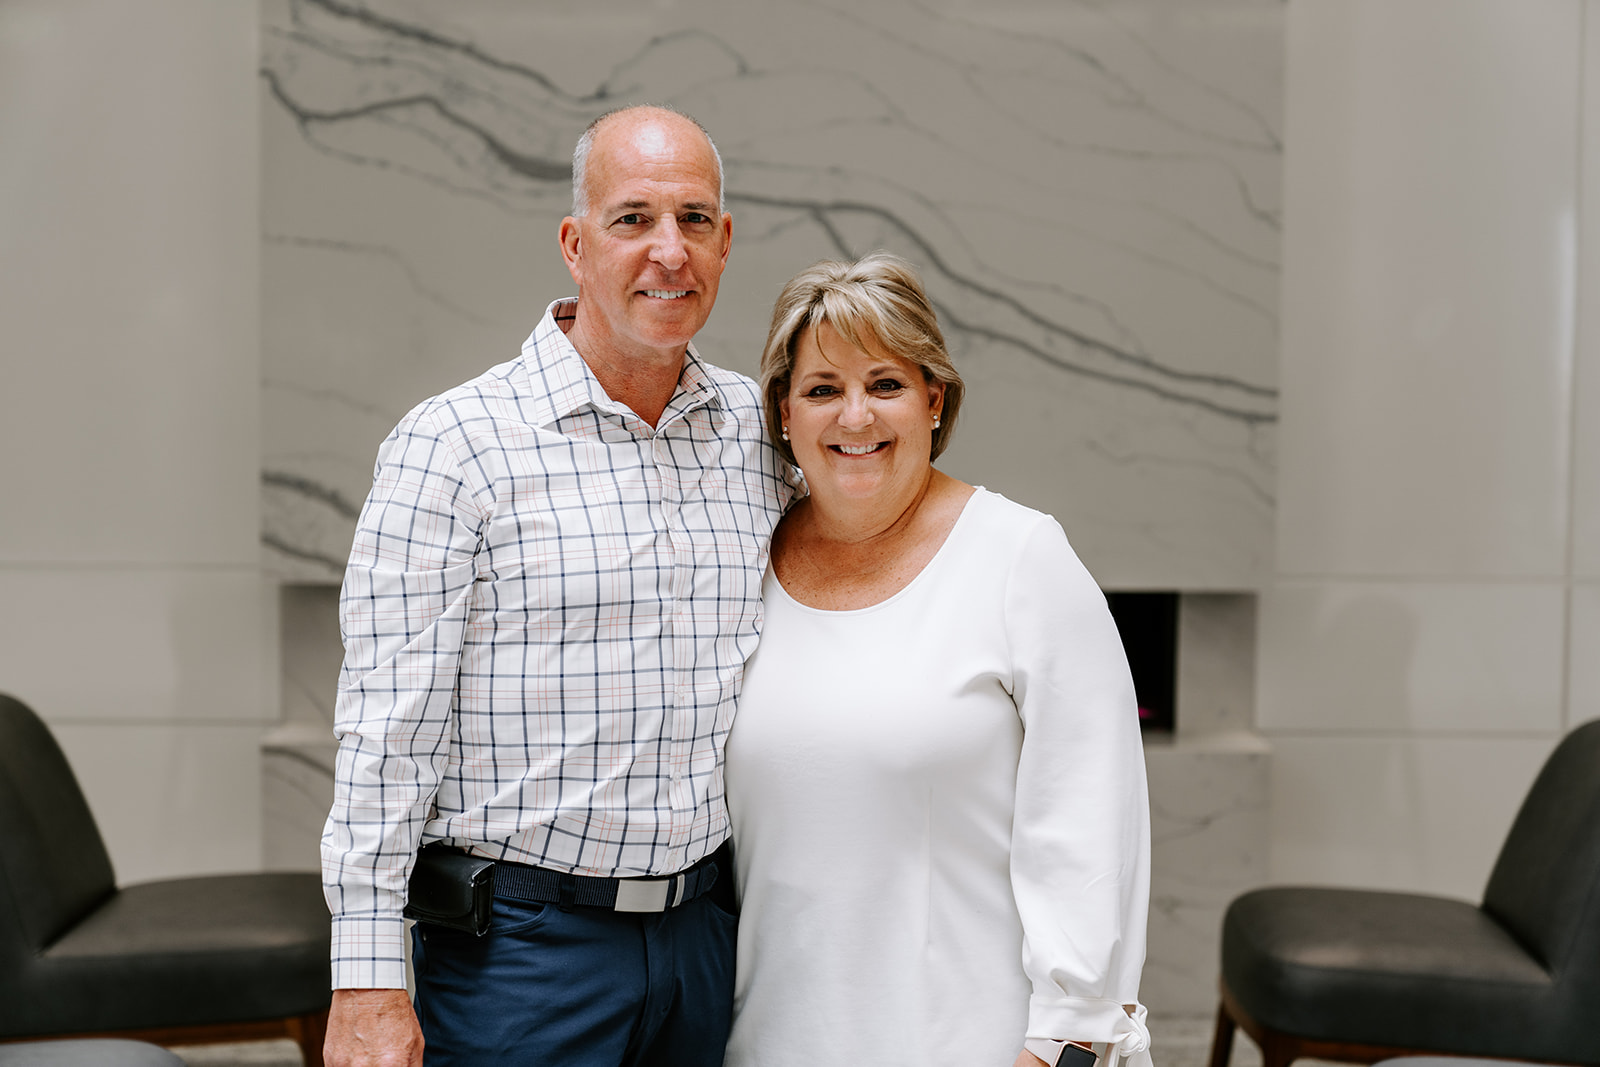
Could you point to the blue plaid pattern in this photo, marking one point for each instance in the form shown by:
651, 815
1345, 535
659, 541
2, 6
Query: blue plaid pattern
546, 615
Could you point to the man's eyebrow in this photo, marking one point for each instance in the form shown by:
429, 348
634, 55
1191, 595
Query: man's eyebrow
637, 205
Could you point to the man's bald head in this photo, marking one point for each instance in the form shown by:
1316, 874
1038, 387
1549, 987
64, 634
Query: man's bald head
580, 154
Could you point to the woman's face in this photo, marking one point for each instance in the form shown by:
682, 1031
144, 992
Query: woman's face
860, 422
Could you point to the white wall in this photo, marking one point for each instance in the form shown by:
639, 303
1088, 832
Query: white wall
129, 563
1425, 640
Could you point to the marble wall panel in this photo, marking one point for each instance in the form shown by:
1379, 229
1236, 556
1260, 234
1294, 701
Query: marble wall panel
1586, 369
1428, 300
298, 757
1411, 657
1216, 664
130, 588
1583, 664
150, 645
1091, 190
1414, 814
129, 243
296, 795
1208, 826
171, 799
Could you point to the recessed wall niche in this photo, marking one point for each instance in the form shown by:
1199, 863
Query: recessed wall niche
1148, 625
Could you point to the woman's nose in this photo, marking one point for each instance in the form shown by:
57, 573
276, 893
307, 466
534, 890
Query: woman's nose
857, 412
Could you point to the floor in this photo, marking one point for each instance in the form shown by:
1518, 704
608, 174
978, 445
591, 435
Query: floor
1178, 1043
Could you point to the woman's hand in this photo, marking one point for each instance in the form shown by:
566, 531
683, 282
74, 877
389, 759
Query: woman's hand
1028, 1059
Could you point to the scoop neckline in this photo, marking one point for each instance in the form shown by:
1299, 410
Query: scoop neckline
933, 561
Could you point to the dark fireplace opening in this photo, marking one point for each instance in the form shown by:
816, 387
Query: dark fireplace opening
1148, 623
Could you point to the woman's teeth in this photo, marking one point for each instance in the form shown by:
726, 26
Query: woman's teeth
857, 450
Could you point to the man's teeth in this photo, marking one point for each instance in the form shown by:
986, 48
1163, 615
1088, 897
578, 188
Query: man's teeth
857, 450
666, 294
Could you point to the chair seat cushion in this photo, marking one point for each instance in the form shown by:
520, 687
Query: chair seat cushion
1393, 969
226, 948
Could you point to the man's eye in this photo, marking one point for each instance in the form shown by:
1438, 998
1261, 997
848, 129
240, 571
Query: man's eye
632, 218
696, 218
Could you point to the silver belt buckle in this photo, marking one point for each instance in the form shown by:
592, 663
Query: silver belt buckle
645, 894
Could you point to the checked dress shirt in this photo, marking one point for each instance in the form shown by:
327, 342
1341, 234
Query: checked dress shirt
546, 615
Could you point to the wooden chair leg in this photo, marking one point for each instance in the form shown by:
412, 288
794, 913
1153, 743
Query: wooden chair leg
309, 1032
1278, 1050
1222, 1038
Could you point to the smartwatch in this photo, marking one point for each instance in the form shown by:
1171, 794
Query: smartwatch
1076, 1056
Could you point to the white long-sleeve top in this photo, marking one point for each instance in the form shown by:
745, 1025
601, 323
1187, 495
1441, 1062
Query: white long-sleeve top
940, 815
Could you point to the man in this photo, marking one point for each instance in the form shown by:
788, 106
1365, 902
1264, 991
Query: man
554, 586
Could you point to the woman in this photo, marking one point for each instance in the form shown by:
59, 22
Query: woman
935, 774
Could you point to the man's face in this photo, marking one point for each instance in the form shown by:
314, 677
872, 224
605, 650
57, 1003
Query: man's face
648, 255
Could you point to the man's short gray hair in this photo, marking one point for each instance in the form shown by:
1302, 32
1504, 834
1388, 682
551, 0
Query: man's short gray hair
580, 154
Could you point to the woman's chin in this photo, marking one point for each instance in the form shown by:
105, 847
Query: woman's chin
861, 490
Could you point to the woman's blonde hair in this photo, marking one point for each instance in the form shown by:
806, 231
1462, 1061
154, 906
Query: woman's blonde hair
876, 302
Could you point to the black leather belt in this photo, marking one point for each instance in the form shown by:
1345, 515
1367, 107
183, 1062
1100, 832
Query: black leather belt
538, 885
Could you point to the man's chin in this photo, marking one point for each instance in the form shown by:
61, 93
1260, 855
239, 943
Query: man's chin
671, 330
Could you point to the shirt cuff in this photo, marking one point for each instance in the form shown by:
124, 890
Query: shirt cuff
1048, 1051
370, 952
1125, 1037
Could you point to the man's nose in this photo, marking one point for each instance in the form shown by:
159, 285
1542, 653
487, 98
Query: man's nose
668, 248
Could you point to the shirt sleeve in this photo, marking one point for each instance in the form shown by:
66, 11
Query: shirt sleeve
1080, 852
403, 613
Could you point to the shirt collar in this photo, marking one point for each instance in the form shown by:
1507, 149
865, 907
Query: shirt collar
562, 382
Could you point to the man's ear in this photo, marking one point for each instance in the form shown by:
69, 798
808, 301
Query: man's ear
727, 236
570, 250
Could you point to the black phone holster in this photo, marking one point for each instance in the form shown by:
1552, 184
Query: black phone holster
452, 889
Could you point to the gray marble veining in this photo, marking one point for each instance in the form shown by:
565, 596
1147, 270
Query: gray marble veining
1090, 189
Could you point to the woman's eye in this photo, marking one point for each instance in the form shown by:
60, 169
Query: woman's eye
820, 390
887, 385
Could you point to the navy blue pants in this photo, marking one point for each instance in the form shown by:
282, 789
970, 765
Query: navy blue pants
587, 987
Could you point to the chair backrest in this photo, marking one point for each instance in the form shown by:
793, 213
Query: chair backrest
1545, 886
53, 863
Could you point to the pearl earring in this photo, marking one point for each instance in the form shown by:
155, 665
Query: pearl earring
786, 433
936, 422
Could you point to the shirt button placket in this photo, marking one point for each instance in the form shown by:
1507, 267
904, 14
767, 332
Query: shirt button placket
680, 640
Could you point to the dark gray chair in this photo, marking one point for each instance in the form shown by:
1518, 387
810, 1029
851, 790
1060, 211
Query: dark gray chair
180, 961
1357, 976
